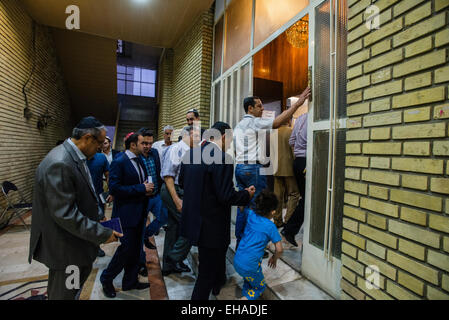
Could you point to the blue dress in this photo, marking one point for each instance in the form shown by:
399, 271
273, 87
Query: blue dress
259, 231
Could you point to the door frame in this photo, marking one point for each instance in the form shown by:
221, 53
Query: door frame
318, 264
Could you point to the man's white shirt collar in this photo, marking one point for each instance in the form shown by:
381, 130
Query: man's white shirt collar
77, 150
130, 154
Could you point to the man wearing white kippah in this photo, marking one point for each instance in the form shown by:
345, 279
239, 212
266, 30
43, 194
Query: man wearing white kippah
161, 145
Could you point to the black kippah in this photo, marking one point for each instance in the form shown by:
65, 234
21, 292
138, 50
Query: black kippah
88, 123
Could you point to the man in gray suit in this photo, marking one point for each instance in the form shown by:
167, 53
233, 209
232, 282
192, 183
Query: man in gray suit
65, 232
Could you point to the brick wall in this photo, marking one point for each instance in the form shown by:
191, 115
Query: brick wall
396, 213
127, 126
165, 91
22, 146
188, 67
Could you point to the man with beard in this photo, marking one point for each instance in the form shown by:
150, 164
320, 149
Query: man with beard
128, 186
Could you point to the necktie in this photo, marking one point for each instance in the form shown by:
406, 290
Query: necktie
138, 170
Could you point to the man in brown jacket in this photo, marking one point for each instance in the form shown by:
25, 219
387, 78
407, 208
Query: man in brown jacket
285, 185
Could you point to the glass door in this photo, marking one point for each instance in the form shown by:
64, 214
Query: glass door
326, 145
228, 94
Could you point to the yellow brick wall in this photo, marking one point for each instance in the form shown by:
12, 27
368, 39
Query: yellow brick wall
186, 75
165, 91
22, 146
396, 213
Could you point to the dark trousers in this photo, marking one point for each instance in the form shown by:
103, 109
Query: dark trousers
211, 272
57, 288
143, 256
156, 206
247, 175
126, 257
176, 248
295, 222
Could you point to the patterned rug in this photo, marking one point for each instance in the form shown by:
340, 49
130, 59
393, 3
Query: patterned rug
36, 288
28, 290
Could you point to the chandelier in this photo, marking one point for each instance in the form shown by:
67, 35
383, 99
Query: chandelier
297, 34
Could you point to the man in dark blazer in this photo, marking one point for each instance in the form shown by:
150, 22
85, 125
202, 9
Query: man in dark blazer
209, 194
128, 186
152, 164
65, 233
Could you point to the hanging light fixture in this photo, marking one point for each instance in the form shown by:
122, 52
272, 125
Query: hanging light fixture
298, 34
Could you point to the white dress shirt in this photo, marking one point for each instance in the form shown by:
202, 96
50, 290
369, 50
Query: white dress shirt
138, 168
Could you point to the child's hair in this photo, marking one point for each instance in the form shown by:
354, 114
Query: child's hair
265, 203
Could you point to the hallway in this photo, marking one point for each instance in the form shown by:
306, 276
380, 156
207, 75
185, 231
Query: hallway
376, 163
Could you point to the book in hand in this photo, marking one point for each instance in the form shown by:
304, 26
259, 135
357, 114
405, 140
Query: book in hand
104, 196
113, 224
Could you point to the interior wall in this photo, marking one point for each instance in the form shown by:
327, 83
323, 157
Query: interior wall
280, 61
185, 74
22, 145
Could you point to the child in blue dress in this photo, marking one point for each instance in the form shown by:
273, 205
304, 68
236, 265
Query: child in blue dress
258, 232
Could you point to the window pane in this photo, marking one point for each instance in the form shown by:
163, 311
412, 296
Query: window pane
322, 62
339, 193
238, 31
217, 92
218, 48
136, 89
130, 87
227, 106
121, 69
341, 58
148, 76
130, 73
319, 187
121, 76
235, 102
148, 90
121, 87
273, 14
244, 90
137, 72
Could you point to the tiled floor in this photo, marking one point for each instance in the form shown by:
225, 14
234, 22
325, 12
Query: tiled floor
14, 264
284, 282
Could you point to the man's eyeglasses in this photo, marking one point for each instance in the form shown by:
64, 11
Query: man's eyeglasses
98, 141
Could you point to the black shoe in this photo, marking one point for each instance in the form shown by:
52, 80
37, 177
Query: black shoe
165, 228
148, 244
138, 286
143, 272
156, 233
108, 289
175, 269
181, 265
101, 253
167, 272
289, 238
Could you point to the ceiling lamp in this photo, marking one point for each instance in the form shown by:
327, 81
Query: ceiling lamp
298, 34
